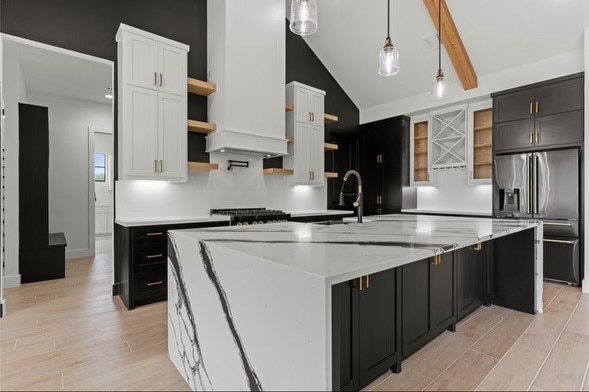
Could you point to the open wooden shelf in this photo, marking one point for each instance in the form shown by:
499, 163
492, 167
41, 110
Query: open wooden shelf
331, 147
278, 172
202, 166
289, 107
483, 163
420, 151
420, 138
200, 87
420, 167
290, 139
201, 127
331, 175
330, 118
483, 144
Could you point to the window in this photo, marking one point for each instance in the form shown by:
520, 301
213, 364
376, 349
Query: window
100, 167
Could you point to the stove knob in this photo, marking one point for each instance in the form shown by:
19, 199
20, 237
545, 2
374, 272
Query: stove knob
254, 223
238, 224
245, 223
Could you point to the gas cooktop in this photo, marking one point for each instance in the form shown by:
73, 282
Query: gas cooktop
246, 216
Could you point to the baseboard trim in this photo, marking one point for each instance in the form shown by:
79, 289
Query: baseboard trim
11, 281
115, 289
78, 254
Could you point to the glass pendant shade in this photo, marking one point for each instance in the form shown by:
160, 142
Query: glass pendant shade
439, 85
388, 60
303, 17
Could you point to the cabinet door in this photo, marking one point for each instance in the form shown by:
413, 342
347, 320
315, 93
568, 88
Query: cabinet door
378, 330
416, 304
302, 105
560, 129
514, 106
345, 337
302, 136
560, 97
139, 133
442, 303
172, 137
471, 278
515, 135
317, 156
172, 77
373, 189
140, 61
316, 103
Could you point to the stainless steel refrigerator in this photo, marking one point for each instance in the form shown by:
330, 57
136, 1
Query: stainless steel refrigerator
546, 186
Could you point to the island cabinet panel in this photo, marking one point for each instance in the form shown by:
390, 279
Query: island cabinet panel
429, 301
366, 329
471, 278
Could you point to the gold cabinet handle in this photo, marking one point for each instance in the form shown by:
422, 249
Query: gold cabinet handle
367, 281
531, 107
155, 283
161, 80
161, 166
531, 137
155, 78
361, 288
537, 137
155, 166
478, 247
154, 234
537, 107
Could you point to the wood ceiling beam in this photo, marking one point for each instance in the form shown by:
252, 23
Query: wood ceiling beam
453, 44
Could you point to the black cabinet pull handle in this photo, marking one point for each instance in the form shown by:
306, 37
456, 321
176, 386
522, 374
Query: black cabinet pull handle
154, 256
153, 234
155, 283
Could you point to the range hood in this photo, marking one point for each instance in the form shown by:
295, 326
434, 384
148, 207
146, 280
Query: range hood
247, 61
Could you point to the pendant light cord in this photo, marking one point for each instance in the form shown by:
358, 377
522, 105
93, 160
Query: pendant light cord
388, 18
439, 35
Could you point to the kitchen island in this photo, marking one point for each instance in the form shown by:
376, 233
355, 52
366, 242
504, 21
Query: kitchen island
312, 306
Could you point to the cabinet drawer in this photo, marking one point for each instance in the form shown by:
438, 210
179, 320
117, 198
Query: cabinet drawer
150, 253
151, 281
150, 234
561, 259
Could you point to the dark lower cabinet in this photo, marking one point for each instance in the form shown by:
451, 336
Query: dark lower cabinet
429, 301
366, 329
471, 278
143, 262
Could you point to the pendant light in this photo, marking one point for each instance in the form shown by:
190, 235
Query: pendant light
439, 83
303, 17
388, 58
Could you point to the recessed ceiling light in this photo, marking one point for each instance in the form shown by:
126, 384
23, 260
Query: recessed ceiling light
222, 150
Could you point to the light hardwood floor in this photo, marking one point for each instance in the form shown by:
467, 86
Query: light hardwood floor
72, 334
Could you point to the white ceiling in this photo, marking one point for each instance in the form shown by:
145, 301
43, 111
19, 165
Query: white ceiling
52, 72
498, 35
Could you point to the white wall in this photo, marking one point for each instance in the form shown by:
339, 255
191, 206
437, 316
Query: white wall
69, 207
1, 182
452, 192
240, 187
103, 143
14, 92
586, 190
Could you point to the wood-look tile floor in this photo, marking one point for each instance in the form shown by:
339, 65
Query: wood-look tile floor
501, 349
72, 334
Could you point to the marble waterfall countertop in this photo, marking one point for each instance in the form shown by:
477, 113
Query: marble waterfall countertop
341, 252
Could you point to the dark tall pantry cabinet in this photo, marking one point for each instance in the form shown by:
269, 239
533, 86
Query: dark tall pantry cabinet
385, 157
41, 254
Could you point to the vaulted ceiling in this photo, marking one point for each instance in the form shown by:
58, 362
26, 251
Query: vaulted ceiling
498, 35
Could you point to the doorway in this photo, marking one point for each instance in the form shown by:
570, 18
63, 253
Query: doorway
77, 90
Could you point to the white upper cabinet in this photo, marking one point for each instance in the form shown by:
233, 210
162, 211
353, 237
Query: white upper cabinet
172, 69
152, 90
308, 104
305, 128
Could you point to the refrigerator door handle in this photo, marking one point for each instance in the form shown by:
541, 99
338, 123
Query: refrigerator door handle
529, 201
535, 184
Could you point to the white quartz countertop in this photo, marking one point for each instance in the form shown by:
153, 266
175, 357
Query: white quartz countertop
341, 252
447, 212
170, 220
298, 214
